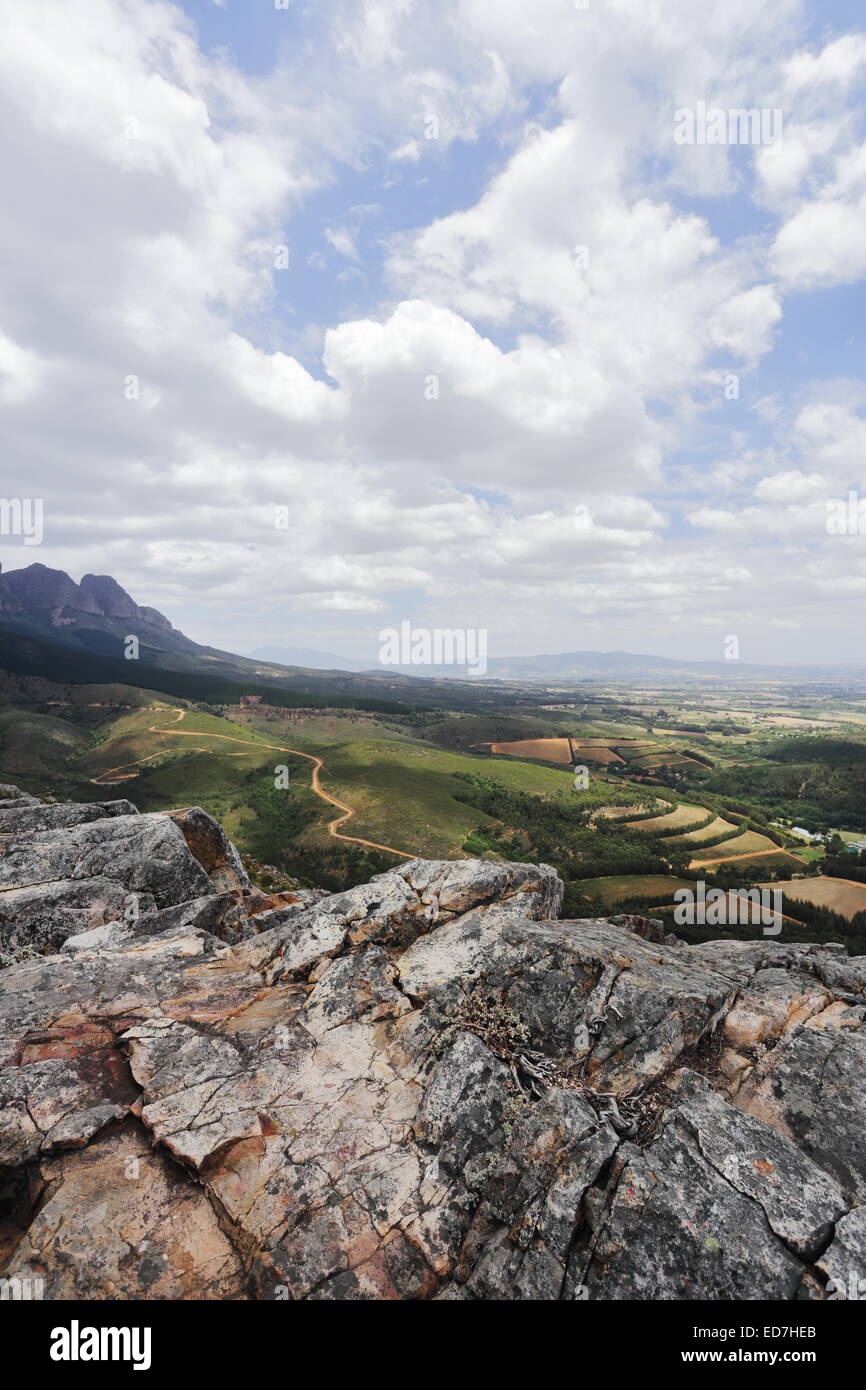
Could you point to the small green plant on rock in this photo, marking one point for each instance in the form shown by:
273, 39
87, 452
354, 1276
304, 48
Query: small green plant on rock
491, 1020
511, 1112
481, 1173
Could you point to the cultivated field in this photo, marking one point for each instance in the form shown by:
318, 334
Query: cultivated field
840, 894
548, 750
618, 887
673, 820
705, 836
639, 754
650, 761
620, 813
749, 844
595, 752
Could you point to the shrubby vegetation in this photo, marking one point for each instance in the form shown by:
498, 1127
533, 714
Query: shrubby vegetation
335, 869
280, 815
818, 783
845, 865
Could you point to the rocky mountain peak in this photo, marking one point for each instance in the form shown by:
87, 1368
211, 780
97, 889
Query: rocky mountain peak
38, 587
111, 600
37, 590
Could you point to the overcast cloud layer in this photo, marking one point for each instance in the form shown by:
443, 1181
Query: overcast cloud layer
439, 280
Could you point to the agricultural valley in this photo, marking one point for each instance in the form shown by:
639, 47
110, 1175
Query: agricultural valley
631, 793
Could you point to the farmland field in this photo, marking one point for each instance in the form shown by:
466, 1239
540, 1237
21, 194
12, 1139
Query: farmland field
549, 750
622, 813
618, 887
706, 835
749, 843
841, 894
595, 751
651, 761
672, 820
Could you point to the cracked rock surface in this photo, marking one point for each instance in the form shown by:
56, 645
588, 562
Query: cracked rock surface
426, 1087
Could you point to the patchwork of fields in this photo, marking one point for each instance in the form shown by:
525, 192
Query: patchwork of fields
402, 790
746, 846
440, 785
642, 755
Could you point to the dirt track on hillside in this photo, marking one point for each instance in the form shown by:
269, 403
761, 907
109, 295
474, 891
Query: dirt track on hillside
110, 778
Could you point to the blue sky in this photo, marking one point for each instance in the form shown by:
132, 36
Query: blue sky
164, 154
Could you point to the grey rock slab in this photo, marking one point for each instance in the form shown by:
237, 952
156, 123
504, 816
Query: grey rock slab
810, 1088
777, 1001
354, 987
677, 1229
122, 1220
220, 914
211, 847
800, 1200
60, 1102
44, 915
447, 961
184, 976
456, 886
520, 1239
559, 977
396, 908
147, 854
112, 936
11, 795
23, 820
463, 1102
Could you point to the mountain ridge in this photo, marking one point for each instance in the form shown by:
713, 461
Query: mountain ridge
98, 615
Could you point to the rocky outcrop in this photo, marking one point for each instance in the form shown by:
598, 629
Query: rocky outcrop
427, 1086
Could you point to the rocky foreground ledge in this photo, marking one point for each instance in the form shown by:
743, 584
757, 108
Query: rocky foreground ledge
425, 1087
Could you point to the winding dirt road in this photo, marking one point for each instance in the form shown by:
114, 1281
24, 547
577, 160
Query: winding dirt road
111, 777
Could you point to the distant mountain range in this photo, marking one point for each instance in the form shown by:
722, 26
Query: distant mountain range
629, 665
97, 615
562, 668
